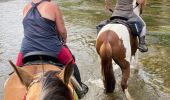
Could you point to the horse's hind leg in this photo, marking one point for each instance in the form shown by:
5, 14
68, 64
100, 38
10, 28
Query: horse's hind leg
125, 67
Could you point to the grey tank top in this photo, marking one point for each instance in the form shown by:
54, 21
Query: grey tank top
123, 8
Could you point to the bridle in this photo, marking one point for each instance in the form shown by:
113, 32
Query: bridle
38, 79
31, 84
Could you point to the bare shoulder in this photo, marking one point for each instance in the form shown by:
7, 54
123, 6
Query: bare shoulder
26, 8
54, 6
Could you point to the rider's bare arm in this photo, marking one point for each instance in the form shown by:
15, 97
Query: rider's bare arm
60, 24
141, 4
25, 10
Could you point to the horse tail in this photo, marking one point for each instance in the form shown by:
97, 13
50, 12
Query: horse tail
107, 69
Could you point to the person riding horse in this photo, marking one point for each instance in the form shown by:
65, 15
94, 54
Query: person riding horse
44, 30
117, 42
124, 8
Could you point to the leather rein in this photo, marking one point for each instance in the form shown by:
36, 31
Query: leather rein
38, 79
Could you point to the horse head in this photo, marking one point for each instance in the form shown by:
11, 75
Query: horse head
48, 85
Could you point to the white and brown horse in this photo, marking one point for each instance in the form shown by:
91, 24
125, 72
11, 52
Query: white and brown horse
36, 83
116, 42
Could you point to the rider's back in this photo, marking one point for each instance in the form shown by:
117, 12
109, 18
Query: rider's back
40, 32
47, 10
123, 8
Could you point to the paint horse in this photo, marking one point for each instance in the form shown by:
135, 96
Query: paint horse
115, 41
42, 81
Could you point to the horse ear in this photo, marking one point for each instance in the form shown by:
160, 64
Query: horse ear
67, 72
25, 77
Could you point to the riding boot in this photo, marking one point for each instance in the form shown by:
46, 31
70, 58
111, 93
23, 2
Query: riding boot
142, 45
80, 93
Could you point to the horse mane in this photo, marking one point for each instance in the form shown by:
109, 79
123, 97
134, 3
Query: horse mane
54, 88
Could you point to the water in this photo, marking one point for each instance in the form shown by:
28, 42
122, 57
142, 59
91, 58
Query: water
10, 36
81, 16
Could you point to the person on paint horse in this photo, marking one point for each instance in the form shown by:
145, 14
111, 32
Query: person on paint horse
44, 30
124, 8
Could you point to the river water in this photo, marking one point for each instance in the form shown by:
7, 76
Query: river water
151, 82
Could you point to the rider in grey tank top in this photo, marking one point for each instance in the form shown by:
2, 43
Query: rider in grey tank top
124, 8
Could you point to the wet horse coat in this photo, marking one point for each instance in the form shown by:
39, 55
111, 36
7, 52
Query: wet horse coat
121, 32
115, 42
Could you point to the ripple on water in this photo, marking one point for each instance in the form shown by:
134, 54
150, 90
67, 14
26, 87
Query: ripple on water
156, 63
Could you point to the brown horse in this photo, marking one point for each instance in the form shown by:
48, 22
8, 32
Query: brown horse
116, 42
34, 83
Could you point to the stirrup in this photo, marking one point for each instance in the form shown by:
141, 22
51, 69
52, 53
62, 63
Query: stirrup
84, 91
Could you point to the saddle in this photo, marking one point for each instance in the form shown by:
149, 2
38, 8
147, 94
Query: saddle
134, 26
41, 57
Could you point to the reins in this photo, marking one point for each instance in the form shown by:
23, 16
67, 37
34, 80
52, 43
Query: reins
38, 79
33, 82
137, 4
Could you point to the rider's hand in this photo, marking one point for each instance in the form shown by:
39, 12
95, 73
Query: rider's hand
64, 41
141, 2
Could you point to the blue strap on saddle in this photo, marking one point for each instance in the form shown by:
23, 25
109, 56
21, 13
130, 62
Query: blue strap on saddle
136, 27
